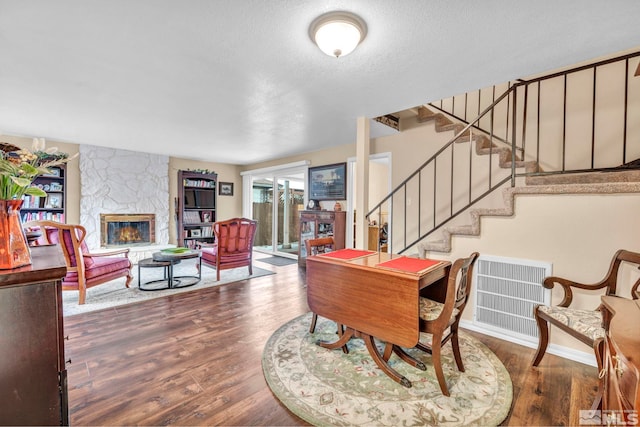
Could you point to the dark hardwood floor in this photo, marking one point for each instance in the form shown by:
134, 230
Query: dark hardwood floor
195, 359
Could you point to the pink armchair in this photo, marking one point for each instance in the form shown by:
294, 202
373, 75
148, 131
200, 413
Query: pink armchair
84, 269
233, 245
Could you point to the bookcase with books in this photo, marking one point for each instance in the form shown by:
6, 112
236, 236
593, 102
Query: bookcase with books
196, 207
53, 206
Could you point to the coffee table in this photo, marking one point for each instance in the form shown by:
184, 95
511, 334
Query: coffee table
168, 260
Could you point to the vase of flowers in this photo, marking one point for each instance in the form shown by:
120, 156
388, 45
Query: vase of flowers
18, 168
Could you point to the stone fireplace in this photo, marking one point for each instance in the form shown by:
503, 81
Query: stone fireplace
125, 183
127, 230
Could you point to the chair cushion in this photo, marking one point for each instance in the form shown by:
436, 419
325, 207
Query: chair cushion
585, 322
100, 267
430, 310
209, 253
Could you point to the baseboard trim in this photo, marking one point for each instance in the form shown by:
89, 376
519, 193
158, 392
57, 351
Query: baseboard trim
557, 350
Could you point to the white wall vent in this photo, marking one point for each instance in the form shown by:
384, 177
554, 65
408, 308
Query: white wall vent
506, 290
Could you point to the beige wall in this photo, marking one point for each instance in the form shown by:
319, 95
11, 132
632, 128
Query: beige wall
337, 154
578, 234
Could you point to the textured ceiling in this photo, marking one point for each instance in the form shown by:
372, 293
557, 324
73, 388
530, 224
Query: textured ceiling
239, 81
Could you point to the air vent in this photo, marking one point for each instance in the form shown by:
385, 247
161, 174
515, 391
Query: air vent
506, 290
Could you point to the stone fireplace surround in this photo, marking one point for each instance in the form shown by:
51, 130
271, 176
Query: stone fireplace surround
116, 181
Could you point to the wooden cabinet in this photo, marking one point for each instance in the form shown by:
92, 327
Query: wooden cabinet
32, 363
52, 207
314, 224
196, 207
620, 368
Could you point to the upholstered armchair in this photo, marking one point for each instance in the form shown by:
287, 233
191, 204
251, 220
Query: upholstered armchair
583, 324
233, 246
84, 269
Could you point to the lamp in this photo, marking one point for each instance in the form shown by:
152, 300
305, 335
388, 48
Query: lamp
337, 33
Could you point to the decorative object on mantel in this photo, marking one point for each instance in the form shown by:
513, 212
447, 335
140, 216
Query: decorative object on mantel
18, 168
337, 207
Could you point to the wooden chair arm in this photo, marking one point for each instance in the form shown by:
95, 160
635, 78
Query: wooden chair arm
110, 253
549, 283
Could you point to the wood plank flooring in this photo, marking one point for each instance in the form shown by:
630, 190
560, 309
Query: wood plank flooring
195, 359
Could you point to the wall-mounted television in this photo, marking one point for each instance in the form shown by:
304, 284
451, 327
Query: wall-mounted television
199, 199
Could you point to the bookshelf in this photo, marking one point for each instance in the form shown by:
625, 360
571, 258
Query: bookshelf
196, 207
53, 206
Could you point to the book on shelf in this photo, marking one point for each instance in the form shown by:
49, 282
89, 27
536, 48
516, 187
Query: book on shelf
206, 231
191, 217
201, 183
43, 216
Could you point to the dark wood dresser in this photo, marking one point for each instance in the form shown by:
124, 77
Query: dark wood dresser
33, 377
621, 359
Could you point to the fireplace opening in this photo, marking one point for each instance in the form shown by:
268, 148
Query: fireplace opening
127, 230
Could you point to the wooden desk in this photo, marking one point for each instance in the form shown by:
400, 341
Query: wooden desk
33, 369
370, 300
620, 374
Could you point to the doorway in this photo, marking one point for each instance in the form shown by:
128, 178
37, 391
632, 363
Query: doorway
276, 195
380, 181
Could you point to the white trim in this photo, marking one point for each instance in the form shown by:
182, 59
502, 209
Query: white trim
278, 168
564, 352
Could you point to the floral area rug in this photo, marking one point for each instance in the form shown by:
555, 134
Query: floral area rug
328, 387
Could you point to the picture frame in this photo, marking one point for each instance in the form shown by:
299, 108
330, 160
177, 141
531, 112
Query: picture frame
206, 216
225, 188
55, 186
54, 202
196, 233
328, 182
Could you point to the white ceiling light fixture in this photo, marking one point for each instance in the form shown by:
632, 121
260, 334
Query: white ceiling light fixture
338, 33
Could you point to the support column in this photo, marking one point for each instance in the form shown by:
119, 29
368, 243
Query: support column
363, 142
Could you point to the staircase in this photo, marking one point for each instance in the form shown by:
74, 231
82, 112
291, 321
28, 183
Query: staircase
512, 158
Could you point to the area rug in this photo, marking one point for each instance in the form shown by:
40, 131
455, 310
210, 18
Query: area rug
278, 261
328, 387
114, 293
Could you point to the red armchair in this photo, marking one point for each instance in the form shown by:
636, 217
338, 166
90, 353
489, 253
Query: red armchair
84, 269
233, 245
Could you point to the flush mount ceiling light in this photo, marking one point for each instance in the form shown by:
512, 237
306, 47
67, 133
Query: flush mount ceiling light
337, 33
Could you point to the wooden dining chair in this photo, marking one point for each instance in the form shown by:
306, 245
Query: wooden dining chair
439, 320
317, 246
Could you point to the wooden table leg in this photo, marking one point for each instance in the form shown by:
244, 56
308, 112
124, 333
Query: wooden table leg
381, 360
382, 364
408, 358
345, 336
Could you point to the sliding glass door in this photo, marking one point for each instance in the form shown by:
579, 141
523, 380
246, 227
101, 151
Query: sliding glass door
276, 198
